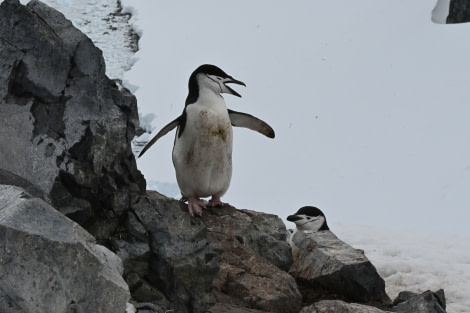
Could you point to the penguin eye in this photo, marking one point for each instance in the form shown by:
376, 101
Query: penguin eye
309, 218
219, 78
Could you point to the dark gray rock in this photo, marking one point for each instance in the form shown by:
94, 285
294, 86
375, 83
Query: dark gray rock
228, 308
403, 296
8, 178
7, 305
183, 263
459, 12
48, 263
135, 255
143, 291
441, 297
427, 302
69, 127
147, 308
266, 235
338, 306
247, 278
325, 262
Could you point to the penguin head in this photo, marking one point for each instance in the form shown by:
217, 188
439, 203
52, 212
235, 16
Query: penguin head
213, 78
309, 218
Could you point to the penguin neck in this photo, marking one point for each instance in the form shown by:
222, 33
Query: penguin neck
211, 100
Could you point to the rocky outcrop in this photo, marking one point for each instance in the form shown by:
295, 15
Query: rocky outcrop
51, 264
65, 132
198, 263
67, 126
327, 263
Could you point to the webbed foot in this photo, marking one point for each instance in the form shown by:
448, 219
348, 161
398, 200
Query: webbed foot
195, 206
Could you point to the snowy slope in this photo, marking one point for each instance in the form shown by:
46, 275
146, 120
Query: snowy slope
415, 261
369, 104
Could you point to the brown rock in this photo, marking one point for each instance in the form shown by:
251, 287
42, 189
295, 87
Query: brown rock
246, 278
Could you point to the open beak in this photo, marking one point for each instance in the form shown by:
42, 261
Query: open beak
233, 81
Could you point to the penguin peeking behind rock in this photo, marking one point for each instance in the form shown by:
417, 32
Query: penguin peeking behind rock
202, 150
308, 219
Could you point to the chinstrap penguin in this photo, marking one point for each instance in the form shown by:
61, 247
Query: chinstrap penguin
202, 150
308, 219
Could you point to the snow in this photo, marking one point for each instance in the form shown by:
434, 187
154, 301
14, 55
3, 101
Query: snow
107, 30
415, 261
368, 100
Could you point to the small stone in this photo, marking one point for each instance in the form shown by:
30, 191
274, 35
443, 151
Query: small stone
426, 302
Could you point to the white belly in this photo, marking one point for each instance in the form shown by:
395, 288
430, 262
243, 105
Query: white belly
202, 156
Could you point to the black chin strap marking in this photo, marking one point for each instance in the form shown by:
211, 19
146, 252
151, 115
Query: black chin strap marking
215, 82
310, 221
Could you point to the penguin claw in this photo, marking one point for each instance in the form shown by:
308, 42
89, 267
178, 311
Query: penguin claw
195, 206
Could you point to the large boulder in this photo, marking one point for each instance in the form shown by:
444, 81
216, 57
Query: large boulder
64, 126
48, 263
327, 263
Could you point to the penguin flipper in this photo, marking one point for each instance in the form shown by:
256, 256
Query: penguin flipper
168, 127
239, 119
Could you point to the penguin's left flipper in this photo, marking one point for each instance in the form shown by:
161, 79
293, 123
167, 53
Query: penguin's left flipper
161, 133
239, 119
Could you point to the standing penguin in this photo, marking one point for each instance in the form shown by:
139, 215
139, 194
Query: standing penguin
202, 151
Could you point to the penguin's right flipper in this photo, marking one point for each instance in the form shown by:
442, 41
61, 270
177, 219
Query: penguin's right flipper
239, 119
170, 126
